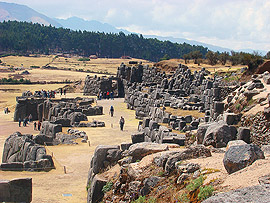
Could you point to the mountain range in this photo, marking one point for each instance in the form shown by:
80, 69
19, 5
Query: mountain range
12, 11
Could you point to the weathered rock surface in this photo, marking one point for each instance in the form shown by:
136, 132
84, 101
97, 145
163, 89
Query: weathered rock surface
139, 150
22, 153
189, 153
218, 134
95, 193
100, 159
255, 194
16, 190
241, 156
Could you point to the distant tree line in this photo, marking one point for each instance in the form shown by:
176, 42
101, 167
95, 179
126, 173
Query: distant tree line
23, 37
14, 81
251, 60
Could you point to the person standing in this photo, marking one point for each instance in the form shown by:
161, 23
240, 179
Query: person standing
111, 111
30, 118
35, 125
39, 124
20, 122
122, 122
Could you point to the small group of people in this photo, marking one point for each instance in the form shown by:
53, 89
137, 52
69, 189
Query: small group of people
63, 91
6, 110
45, 94
105, 95
37, 125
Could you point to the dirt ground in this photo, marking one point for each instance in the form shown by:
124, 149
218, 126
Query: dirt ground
55, 185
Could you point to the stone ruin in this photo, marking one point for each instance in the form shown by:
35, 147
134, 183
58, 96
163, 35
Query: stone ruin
55, 114
22, 153
149, 92
95, 85
16, 190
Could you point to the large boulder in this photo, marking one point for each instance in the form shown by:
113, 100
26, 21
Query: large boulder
137, 137
22, 149
100, 160
231, 118
95, 193
16, 190
255, 194
201, 132
240, 156
244, 134
218, 134
77, 117
49, 129
189, 153
139, 150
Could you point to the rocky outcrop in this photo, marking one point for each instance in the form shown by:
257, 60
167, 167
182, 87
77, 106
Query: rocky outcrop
240, 156
139, 150
218, 134
16, 190
256, 194
22, 153
189, 153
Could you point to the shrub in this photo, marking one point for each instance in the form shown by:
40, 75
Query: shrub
83, 59
205, 192
195, 184
107, 187
141, 199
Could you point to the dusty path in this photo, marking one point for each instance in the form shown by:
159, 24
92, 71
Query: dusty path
54, 185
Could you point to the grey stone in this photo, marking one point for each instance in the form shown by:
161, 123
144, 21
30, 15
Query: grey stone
189, 153
95, 193
139, 150
218, 134
241, 156
137, 137
255, 194
16, 190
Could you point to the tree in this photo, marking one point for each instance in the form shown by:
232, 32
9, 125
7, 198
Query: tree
196, 55
186, 57
251, 60
267, 56
223, 57
212, 57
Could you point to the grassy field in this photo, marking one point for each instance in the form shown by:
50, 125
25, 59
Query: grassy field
102, 65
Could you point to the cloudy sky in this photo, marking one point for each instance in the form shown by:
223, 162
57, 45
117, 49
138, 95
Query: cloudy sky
236, 24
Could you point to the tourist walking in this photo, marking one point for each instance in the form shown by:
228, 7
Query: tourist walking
111, 111
20, 122
35, 125
65, 91
122, 122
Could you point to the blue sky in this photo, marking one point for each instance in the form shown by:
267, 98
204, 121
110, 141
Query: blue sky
236, 24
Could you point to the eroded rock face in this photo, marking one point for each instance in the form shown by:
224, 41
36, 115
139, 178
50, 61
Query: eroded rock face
16, 190
189, 153
218, 134
139, 150
240, 156
256, 194
104, 156
22, 153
